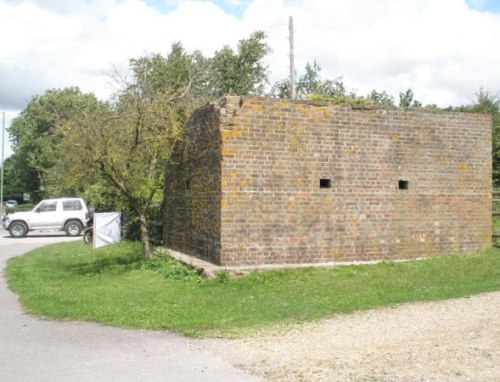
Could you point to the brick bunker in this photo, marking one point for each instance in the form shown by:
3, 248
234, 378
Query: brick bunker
266, 181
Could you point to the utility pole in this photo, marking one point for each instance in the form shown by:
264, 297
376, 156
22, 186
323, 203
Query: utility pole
1, 174
292, 59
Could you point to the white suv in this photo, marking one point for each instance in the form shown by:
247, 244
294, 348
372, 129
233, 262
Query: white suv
65, 214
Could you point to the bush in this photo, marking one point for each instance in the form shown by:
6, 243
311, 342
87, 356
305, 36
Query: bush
19, 208
170, 268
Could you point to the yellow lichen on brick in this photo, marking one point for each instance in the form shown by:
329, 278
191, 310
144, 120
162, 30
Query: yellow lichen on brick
355, 149
244, 181
229, 198
321, 112
228, 150
257, 107
463, 166
394, 137
231, 133
302, 109
281, 103
225, 202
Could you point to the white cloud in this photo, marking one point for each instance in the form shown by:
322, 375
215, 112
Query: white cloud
443, 49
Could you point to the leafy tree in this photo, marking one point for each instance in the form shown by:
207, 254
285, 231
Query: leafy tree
18, 178
241, 72
311, 83
281, 89
380, 98
406, 100
488, 103
127, 140
35, 139
66, 142
185, 75
311, 86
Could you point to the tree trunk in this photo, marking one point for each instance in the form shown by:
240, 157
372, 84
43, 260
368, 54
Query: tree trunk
146, 244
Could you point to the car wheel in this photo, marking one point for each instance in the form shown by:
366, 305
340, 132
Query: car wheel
18, 229
73, 228
87, 236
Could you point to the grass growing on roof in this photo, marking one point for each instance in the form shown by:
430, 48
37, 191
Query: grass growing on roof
116, 286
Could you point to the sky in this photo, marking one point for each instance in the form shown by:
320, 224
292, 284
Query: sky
444, 50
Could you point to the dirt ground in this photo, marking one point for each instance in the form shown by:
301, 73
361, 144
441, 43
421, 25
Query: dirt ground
453, 340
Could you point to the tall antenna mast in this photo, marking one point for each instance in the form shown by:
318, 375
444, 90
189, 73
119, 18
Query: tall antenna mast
292, 59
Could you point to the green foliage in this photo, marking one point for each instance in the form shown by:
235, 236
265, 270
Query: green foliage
36, 140
68, 143
406, 100
181, 75
311, 83
222, 277
19, 208
18, 177
311, 86
127, 140
169, 268
339, 99
117, 286
488, 103
380, 98
241, 72
103, 197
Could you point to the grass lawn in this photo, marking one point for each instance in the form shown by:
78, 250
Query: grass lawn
114, 285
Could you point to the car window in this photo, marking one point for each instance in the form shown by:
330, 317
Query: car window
72, 205
48, 207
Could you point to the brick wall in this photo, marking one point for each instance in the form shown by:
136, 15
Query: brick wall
192, 192
291, 182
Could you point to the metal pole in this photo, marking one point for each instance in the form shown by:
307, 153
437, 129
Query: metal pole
1, 175
292, 59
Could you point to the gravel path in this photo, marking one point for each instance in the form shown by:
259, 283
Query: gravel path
453, 340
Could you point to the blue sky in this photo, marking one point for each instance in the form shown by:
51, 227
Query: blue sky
485, 5
234, 7
237, 7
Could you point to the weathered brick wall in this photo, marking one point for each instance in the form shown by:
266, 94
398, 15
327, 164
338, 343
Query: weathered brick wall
192, 199
307, 183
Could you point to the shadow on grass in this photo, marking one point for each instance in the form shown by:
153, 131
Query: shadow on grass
102, 262
98, 266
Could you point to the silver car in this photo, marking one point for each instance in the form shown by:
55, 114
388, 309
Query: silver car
64, 214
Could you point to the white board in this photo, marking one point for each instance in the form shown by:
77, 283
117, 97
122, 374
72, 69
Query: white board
107, 228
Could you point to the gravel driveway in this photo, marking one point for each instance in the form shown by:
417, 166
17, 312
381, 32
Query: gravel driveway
453, 340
